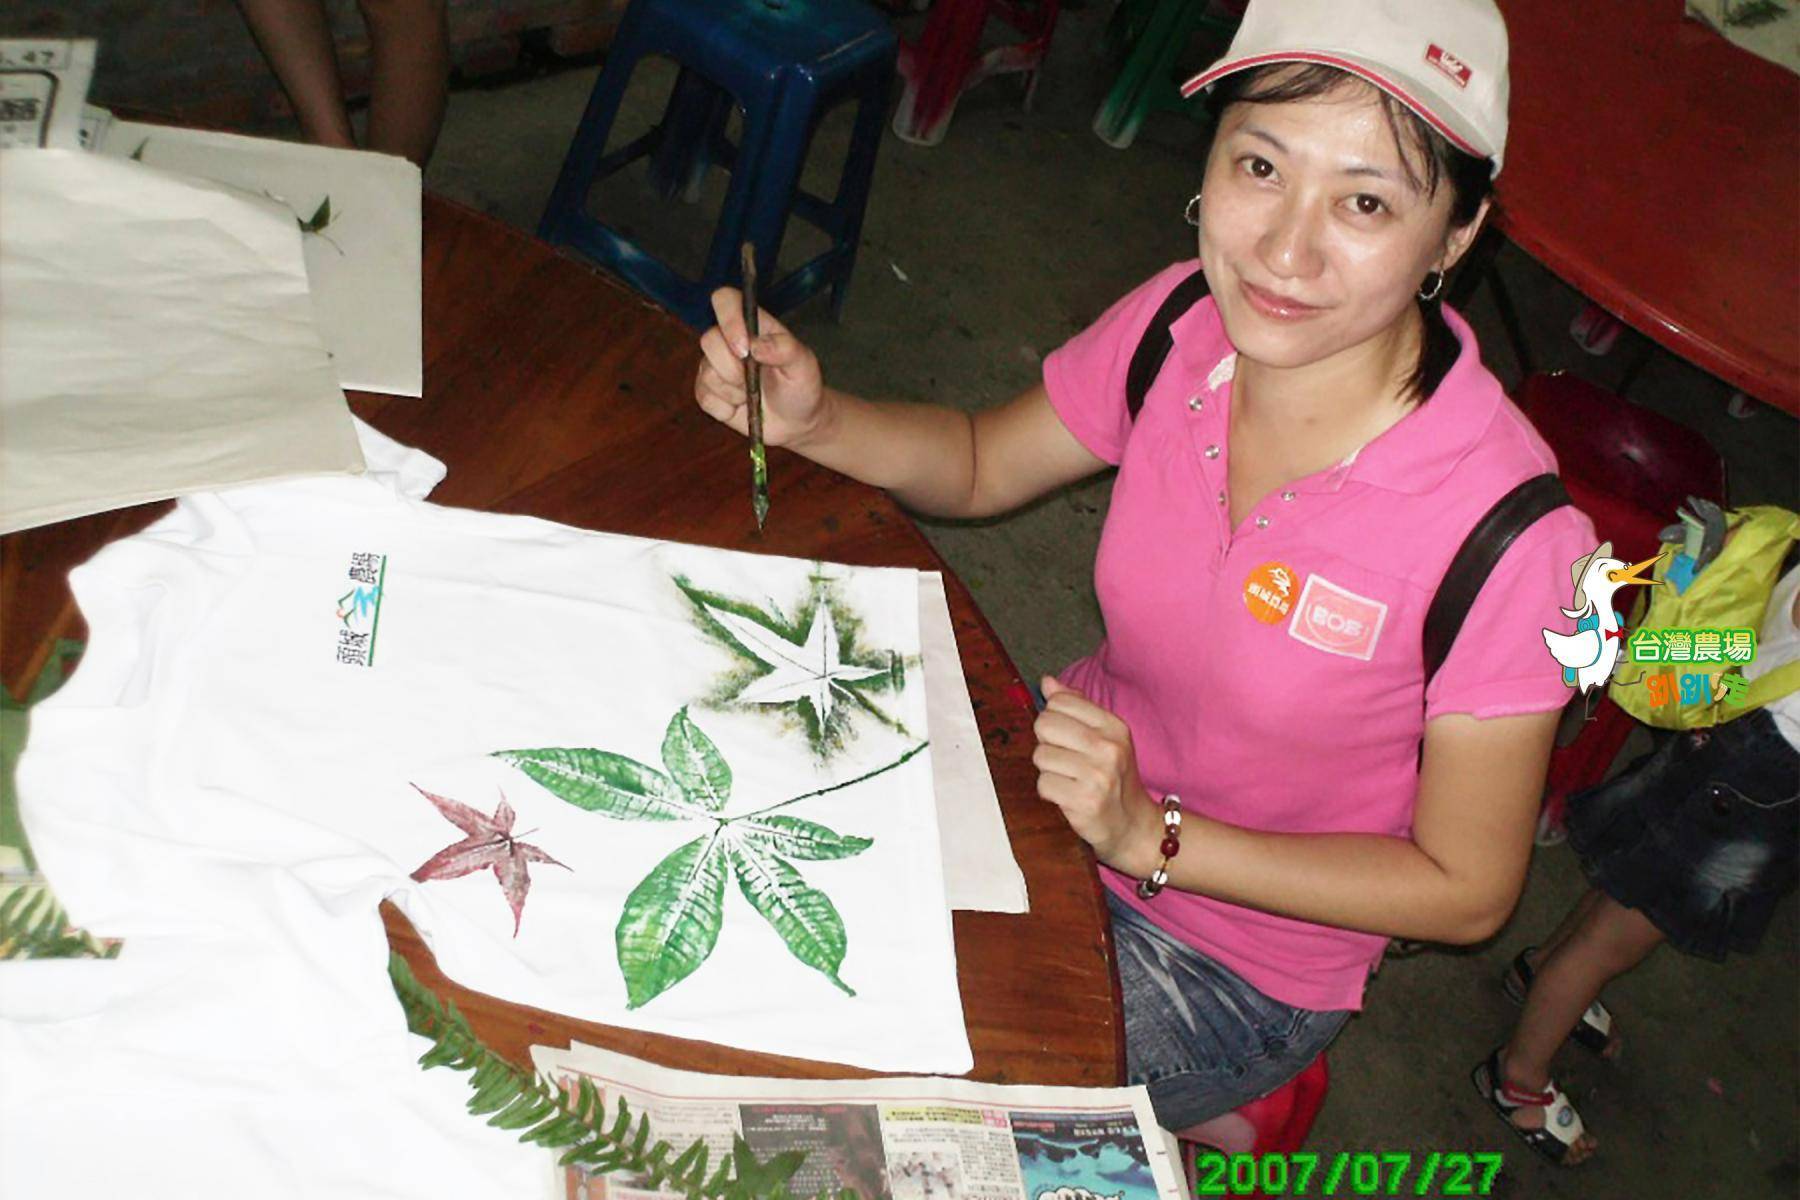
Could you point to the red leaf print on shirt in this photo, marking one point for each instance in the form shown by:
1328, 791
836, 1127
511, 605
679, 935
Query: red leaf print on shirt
490, 844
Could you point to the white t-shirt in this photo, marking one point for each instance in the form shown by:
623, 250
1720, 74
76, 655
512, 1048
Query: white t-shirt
332, 676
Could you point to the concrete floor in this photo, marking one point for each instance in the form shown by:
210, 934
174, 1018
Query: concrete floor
983, 253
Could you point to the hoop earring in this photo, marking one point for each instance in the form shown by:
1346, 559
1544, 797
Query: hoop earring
1191, 214
1434, 283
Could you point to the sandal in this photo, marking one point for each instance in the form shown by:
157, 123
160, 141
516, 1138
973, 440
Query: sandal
1594, 1030
1562, 1124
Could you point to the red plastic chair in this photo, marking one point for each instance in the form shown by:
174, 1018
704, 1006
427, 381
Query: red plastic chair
1628, 469
947, 60
1274, 1124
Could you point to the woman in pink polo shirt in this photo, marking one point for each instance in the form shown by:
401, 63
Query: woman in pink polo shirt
1316, 446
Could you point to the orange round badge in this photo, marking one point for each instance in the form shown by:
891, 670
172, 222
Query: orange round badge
1270, 591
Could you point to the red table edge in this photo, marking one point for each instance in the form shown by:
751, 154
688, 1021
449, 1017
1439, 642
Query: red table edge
1766, 380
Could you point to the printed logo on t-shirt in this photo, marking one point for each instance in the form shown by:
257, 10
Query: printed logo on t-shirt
359, 609
1269, 592
1337, 621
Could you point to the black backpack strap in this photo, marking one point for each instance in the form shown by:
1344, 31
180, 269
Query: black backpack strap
1511, 516
1153, 348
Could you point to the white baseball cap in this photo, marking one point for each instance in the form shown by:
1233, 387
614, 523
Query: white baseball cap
1443, 59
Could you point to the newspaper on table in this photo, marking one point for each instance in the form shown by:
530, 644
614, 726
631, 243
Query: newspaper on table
42, 85
907, 1138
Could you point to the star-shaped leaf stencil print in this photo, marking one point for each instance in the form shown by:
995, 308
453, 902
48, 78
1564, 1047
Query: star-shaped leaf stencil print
490, 844
812, 669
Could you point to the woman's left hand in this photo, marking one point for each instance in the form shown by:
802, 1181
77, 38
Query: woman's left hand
1087, 767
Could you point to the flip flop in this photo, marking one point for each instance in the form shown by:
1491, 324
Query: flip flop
1562, 1124
1594, 1030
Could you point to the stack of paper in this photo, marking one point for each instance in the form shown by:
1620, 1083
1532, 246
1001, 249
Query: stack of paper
360, 215
181, 310
159, 338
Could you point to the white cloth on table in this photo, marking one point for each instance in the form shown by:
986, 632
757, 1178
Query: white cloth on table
215, 714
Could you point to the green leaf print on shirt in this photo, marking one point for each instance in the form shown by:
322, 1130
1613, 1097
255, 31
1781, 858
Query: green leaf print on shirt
673, 918
812, 667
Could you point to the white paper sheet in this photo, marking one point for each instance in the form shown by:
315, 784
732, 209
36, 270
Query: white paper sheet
980, 873
363, 263
277, 673
158, 339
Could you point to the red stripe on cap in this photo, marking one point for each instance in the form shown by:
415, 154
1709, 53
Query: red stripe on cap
1361, 72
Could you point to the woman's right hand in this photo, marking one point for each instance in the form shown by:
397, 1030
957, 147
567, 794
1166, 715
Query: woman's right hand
793, 389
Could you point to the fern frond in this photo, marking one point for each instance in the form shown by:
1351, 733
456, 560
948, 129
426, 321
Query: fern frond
34, 925
515, 1099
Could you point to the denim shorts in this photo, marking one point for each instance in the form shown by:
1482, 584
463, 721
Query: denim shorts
1702, 836
1201, 1039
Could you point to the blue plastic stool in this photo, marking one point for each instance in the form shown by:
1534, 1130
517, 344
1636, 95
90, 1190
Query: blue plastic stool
784, 64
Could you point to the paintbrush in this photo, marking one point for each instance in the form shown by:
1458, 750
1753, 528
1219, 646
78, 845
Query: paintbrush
759, 455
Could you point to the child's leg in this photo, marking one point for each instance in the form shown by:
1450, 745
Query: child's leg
1609, 940
296, 39
1524, 968
1570, 923
411, 45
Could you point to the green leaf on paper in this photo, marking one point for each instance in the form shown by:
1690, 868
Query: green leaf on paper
804, 916
671, 920
792, 837
320, 219
696, 763
606, 783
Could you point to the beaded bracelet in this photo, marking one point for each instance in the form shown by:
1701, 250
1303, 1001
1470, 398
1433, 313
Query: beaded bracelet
1171, 846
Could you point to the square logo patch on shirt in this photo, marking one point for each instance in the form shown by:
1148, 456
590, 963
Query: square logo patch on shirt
1337, 621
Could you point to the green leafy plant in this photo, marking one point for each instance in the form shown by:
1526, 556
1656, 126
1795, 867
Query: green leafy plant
577, 1124
671, 920
34, 925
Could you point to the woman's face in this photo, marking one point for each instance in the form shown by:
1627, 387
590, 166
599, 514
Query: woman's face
1312, 236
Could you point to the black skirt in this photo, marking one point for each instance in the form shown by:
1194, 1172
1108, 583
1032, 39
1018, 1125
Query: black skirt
1702, 835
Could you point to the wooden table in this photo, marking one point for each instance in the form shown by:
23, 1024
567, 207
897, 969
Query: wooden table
1655, 167
553, 392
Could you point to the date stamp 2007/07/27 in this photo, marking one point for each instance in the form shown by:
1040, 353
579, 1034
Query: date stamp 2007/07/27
1346, 1173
